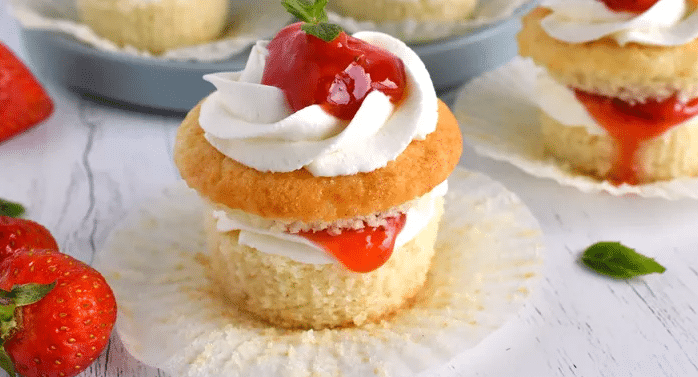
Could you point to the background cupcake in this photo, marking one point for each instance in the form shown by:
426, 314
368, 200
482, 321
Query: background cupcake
402, 10
155, 25
620, 87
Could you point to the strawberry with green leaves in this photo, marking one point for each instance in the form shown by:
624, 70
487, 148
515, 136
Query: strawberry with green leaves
16, 234
315, 62
23, 102
56, 314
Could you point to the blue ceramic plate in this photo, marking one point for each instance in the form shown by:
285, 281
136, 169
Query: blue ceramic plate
178, 86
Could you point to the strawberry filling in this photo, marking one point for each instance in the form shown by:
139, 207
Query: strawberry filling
631, 6
360, 250
631, 124
336, 75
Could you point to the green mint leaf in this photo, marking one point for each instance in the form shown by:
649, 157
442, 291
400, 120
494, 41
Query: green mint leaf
326, 32
10, 209
306, 10
619, 261
314, 18
319, 11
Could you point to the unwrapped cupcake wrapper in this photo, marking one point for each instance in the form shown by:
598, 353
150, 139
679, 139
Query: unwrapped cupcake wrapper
488, 260
251, 24
499, 116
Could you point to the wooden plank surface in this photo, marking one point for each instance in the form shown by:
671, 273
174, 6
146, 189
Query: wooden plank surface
81, 171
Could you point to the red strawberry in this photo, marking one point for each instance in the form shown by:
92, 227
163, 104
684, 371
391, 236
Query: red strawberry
23, 102
633, 6
65, 331
18, 234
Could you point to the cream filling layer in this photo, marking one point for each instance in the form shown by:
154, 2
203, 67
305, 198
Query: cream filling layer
560, 103
262, 235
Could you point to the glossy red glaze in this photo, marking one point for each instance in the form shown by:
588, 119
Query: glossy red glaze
361, 250
337, 75
632, 6
632, 124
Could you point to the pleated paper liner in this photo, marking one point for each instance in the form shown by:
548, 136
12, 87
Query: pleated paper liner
488, 261
255, 20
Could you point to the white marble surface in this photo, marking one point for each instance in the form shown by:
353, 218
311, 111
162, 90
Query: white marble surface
82, 170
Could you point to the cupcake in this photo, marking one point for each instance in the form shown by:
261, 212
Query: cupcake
400, 10
619, 95
155, 25
324, 166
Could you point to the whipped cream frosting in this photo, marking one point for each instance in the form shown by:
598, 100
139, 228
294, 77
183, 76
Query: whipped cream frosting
666, 23
560, 103
262, 235
253, 124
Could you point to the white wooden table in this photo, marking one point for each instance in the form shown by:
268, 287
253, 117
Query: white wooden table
82, 170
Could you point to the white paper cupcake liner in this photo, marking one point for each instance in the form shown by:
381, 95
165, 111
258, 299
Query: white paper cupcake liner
60, 16
498, 116
488, 261
487, 12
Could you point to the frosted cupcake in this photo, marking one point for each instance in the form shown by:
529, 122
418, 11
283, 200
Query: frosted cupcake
401, 10
619, 97
325, 172
155, 25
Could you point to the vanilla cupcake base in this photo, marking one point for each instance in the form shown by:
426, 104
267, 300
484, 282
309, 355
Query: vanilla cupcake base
155, 25
287, 293
486, 266
671, 155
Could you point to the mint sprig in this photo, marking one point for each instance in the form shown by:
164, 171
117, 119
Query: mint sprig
619, 261
314, 18
10, 209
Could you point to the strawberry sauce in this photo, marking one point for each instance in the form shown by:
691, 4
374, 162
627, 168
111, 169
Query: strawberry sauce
360, 250
337, 75
632, 124
631, 6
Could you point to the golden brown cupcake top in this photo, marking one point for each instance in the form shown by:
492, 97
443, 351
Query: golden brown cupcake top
605, 67
301, 196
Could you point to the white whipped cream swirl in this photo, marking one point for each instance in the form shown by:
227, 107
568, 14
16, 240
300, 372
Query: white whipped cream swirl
666, 23
253, 124
255, 233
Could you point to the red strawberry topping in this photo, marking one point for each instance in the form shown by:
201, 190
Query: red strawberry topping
337, 75
632, 6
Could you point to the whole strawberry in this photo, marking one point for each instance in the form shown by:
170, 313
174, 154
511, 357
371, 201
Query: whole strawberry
61, 333
18, 234
23, 102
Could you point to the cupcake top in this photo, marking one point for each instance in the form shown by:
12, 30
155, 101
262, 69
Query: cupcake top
317, 130
255, 125
664, 23
632, 72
